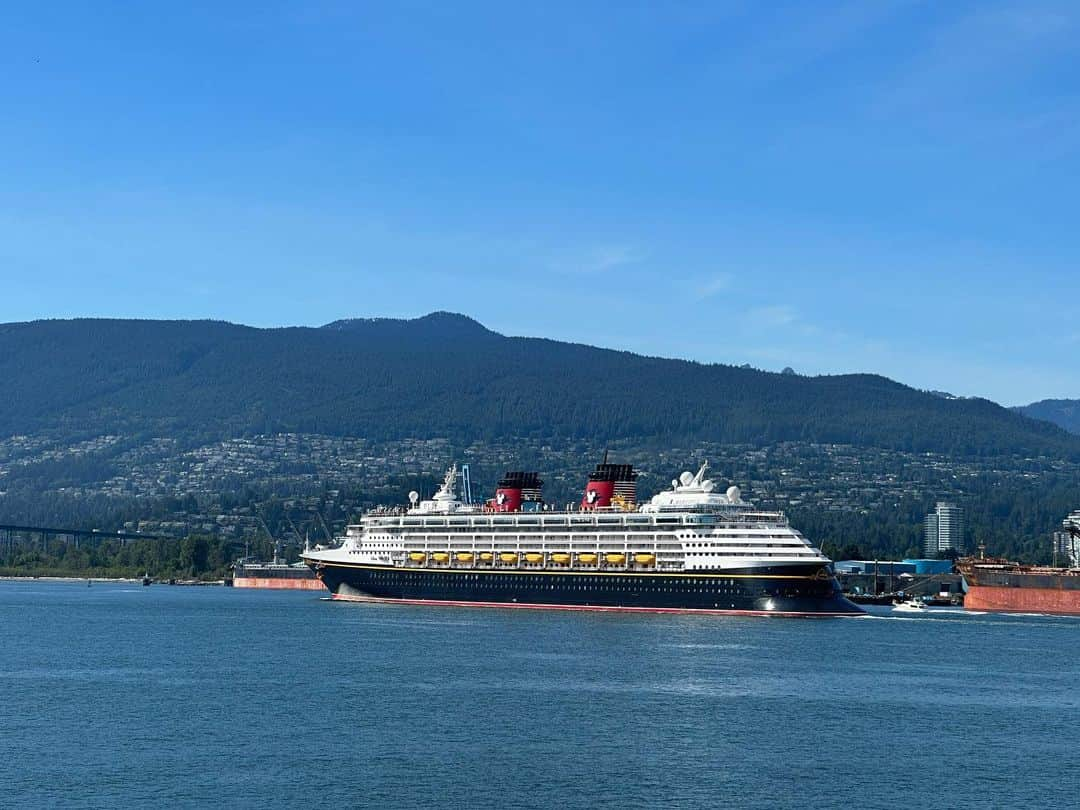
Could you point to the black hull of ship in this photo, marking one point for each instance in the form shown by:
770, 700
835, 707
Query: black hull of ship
773, 591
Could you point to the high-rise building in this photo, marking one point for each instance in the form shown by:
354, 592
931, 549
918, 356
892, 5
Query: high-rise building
943, 529
930, 535
1067, 543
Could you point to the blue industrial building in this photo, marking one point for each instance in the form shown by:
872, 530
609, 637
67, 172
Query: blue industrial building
928, 567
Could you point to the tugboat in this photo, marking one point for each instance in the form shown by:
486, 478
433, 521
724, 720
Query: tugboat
690, 549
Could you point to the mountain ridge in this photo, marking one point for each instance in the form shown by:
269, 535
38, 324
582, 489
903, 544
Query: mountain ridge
447, 375
1065, 413
440, 323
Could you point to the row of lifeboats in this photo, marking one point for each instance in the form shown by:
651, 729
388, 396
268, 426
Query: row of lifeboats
555, 559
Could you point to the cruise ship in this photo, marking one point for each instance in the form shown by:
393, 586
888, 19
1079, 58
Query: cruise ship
690, 549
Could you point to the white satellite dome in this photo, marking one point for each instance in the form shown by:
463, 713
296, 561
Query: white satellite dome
414, 496
686, 478
708, 486
733, 493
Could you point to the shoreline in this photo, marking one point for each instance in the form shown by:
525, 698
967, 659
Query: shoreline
121, 580
63, 578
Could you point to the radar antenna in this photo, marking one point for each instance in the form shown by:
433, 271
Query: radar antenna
449, 481
701, 473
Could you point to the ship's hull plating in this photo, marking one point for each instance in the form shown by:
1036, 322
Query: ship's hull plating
1013, 591
777, 591
279, 583
275, 577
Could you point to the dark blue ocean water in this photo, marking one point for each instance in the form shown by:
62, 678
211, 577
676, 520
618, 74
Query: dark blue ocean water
122, 696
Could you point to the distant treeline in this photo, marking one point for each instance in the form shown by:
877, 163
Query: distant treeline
193, 557
1010, 522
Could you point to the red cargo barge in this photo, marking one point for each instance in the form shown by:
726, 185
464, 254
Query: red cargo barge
1008, 587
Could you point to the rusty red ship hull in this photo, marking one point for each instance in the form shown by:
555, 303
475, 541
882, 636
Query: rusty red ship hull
1003, 586
275, 576
277, 582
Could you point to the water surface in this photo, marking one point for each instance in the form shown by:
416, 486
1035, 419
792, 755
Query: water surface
118, 695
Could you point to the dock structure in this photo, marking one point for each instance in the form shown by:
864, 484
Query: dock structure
887, 583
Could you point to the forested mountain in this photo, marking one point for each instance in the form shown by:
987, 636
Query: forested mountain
1064, 413
446, 375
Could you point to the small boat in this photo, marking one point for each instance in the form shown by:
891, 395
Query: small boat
587, 559
534, 558
508, 557
440, 557
464, 556
560, 558
615, 559
486, 556
417, 556
910, 605
645, 559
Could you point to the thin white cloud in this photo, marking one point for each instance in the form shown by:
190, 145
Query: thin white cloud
710, 287
600, 259
770, 316
974, 53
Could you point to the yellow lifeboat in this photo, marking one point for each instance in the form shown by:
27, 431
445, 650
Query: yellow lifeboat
615, 559
587, 559
464, 556
440, 556
534, 557
486, 556
508, 557
417, 556
560, 559
645, 559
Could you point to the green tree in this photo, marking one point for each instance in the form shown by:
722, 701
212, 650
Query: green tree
194, 554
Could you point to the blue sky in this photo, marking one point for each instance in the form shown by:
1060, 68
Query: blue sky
878, 186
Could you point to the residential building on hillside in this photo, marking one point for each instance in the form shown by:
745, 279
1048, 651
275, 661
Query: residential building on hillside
1067, 543
943, 529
